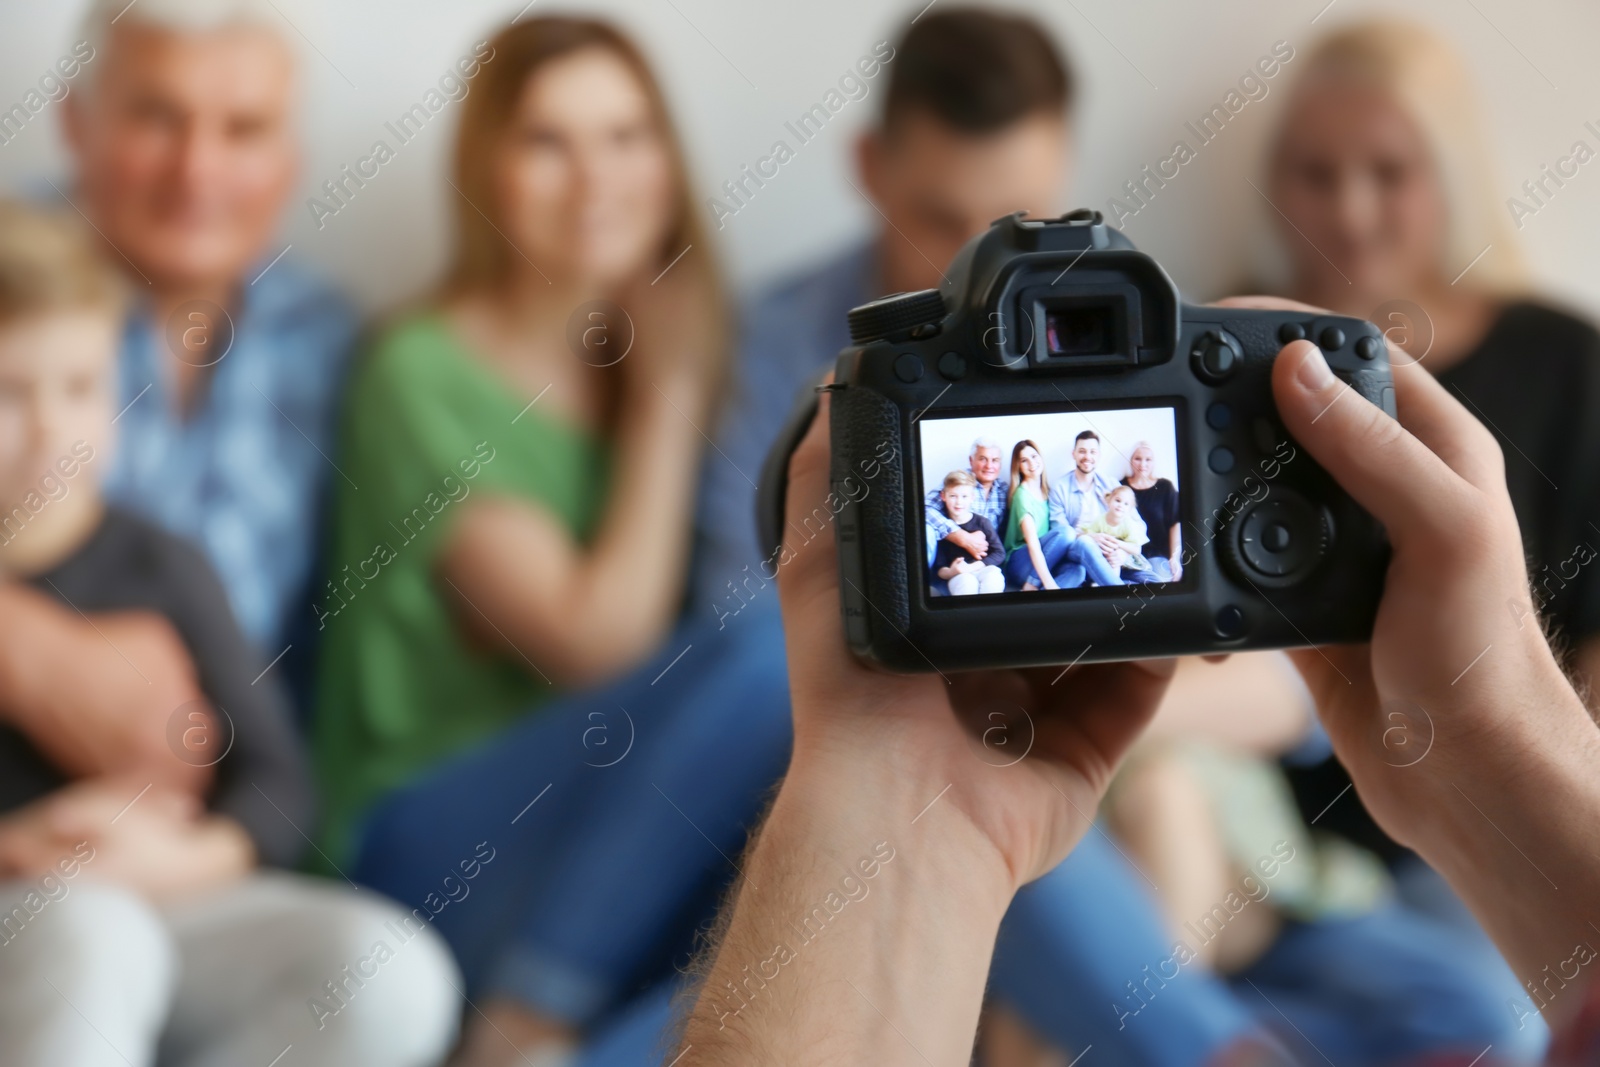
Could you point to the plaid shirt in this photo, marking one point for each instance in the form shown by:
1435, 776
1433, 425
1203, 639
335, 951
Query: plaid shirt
243, 474
991, 505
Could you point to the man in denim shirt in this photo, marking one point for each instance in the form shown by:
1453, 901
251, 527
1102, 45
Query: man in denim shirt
1079, 497
232, 357
974, 127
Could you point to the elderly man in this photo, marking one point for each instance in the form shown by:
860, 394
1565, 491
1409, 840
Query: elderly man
229, 366
185, 149
989, 499
182, 134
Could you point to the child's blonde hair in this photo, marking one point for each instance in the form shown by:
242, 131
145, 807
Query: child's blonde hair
959, 478
49, 265
1133, 498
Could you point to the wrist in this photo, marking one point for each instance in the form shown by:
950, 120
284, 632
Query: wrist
832, 796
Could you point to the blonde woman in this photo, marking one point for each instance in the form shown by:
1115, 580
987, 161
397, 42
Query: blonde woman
1388, 198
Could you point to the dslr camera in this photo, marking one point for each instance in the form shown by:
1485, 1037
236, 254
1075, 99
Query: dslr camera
1052, 458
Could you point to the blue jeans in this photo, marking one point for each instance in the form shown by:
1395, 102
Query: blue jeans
1160, 571
616, 816
1070, 559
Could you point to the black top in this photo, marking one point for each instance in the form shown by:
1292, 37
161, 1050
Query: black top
128, 564
1158, 507
1534, 380
948, 552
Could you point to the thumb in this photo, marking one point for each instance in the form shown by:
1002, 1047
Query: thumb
1388, 471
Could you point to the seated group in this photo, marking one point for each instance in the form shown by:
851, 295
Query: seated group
991, 534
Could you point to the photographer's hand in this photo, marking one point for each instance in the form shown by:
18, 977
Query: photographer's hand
889, 764
1463, 737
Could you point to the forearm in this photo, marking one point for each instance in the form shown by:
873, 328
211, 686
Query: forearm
26, 618
637, 559
580, 613
862, 930
1504, 816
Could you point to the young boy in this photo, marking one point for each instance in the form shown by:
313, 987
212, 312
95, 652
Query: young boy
132, 911
964, 573
1119, 533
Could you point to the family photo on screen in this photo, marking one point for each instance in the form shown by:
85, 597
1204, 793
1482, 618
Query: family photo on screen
1051, 501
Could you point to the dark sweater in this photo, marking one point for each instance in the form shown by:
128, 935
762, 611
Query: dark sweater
129, 564
948, 552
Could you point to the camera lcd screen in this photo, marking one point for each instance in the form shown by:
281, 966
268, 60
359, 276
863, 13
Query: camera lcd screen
1062, 501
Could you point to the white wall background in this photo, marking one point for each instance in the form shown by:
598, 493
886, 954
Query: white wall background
947, 443
736, 70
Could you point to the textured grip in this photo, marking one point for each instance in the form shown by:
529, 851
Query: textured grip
866, 437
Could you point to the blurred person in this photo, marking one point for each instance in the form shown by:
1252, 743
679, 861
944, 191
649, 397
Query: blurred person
137, 914
184, 152
871, 747
180, 133
1380, 161
975, 124
1381, 164
527, 445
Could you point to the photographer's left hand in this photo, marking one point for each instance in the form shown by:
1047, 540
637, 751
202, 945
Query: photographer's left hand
901, 740
906, 794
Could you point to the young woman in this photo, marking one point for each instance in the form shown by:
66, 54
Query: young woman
520, 456
1029, 522
516, 512
1157, 500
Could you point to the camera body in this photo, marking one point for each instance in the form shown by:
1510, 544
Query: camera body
1060, 359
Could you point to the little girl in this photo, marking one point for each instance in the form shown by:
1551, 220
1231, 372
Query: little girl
1118, 534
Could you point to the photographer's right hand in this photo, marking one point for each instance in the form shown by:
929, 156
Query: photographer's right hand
1464, 738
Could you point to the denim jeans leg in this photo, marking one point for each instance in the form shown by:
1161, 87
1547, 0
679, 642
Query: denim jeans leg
1078, 956
1086, 553
560, 919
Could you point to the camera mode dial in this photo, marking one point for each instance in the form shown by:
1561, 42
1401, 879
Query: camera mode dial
1278, 542
890, 315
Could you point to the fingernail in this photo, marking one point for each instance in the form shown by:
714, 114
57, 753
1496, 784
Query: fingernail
1313, 373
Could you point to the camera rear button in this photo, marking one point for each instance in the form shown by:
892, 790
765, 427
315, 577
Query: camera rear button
1219, 416
1291, 331
953, 365
1369, 347
1221, 459
909, 368
1332, 338
1230, 622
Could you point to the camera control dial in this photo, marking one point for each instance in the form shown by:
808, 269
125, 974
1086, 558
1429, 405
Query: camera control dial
890, 315
1278, 542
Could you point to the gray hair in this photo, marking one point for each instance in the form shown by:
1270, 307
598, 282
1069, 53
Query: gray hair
984, 442
186, 16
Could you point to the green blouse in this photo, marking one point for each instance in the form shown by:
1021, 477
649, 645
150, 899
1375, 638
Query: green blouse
427, 427
1025, 501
